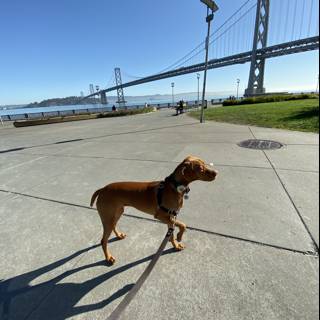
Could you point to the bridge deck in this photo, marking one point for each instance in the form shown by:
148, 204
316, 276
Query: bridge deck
282, 49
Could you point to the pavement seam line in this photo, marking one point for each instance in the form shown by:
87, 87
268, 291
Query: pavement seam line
34, 186
295, 206
314, 243
157, 161
136, 159
26, 162
310, 253
303, 144
98, 137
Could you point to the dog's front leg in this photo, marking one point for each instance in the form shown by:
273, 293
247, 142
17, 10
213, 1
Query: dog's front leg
165, 218
182, 228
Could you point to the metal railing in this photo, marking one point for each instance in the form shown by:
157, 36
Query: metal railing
13, 116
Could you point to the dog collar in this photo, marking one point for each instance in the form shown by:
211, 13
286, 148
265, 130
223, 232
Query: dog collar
159, 200
180, 188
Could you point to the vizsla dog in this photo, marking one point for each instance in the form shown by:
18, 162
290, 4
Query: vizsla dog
162, 199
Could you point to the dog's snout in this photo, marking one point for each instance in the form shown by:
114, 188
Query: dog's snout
211, 174
214, 173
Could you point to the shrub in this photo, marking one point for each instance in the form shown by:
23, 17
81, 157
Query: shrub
121, 113
271, 98
229, 102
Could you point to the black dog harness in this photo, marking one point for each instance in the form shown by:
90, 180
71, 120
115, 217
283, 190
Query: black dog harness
178, 187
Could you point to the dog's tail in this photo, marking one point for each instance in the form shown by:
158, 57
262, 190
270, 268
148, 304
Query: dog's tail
94, 196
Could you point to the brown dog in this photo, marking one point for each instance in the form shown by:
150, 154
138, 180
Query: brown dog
151, 197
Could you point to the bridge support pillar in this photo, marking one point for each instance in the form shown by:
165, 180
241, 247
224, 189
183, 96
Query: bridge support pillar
121, 101
103, 98
256, 76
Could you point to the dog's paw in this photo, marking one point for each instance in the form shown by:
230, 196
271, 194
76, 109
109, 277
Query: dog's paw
121, 235
179, 246
111, 260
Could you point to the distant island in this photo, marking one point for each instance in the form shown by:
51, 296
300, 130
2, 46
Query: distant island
73, 100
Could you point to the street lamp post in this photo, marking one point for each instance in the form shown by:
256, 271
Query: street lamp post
211, 5
172, 86
238, 82
198, 77
97, 88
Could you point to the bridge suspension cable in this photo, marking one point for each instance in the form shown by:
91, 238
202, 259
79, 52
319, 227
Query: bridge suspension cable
217, 37
286, 25
233, 24
111, 81
310, 17
129, 75
292, 20
201, 47
294, 17
301, 22
185, 58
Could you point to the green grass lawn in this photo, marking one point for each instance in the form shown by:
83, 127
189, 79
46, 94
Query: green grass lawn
300, 115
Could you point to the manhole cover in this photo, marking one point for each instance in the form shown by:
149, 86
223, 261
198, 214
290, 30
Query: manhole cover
260, 144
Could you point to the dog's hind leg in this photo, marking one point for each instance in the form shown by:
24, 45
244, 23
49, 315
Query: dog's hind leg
109, 218
119, 235
107, 229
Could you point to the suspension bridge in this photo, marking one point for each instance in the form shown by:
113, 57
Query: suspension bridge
258, 30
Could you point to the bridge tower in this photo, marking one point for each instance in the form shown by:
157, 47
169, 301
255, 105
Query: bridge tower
103, 97
256, 76
121, 100
91, 89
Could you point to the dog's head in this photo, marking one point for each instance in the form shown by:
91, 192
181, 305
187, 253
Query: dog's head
193, 168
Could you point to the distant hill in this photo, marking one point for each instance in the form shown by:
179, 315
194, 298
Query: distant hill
61, 102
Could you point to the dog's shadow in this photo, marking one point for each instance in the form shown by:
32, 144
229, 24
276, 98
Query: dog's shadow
20, 299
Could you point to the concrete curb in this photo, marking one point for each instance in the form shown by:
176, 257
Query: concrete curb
121, 113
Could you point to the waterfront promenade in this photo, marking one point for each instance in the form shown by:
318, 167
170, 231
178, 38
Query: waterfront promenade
251, 247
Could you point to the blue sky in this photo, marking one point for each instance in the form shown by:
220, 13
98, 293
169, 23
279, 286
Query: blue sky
57, 48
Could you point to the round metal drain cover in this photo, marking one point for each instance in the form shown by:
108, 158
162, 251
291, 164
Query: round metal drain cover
260, 144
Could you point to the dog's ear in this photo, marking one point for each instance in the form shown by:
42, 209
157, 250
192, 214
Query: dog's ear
194, 164
187, 164
189, 158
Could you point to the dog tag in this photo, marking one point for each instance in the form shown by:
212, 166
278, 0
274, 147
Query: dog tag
186, 196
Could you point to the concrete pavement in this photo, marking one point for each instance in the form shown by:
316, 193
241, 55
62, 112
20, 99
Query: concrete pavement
252, 243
